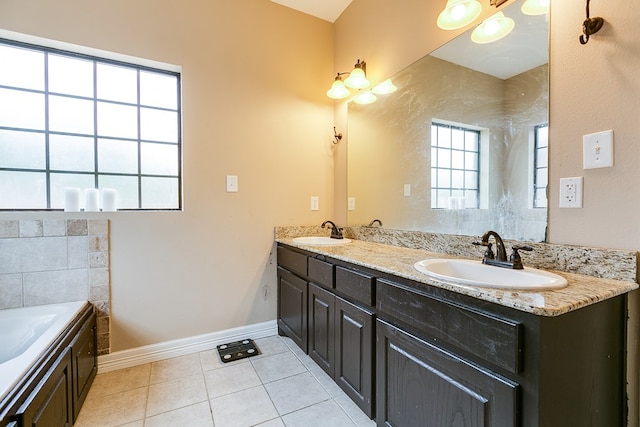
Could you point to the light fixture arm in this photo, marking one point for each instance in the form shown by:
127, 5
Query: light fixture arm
497, 3
590, 26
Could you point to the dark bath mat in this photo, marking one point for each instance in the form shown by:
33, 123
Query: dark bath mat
237, 350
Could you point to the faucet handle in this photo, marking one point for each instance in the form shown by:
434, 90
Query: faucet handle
488, 254
515, 256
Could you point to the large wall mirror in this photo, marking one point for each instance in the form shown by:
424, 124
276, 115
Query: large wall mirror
461, 146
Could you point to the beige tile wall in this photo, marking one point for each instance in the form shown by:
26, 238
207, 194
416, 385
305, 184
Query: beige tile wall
55, 261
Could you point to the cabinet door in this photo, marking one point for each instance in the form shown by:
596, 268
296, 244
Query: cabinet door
419, 384
354, 332
321, 327
84, 362
49, 405
292, 307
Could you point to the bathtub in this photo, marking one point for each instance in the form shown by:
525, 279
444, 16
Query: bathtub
26, 333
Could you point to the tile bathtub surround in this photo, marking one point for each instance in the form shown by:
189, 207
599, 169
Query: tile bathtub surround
54, 261
602, 263
281, 387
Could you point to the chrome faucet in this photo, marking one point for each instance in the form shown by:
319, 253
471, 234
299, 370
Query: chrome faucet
336, 232
500, 258
374, 221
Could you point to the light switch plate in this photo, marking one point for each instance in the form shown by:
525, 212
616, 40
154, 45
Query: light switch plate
315, 203
407, 190
597, 150
351, 204
232, 183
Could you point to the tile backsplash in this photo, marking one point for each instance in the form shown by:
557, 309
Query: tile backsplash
55, 261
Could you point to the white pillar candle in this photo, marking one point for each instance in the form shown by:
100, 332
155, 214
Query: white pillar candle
71, 199
109, 200
91, 200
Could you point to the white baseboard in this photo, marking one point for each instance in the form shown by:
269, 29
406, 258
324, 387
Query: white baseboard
168, 349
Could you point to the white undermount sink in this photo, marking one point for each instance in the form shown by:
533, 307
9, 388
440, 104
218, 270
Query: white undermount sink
474, 273
320, 241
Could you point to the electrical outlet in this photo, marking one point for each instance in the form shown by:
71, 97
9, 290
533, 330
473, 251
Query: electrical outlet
571, 192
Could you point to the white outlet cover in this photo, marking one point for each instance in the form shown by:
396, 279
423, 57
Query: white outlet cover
315, 203
597, 150
571, 192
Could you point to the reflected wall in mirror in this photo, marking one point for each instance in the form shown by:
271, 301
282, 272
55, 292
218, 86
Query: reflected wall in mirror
461, 146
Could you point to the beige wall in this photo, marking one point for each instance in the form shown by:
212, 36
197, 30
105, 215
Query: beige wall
254, 76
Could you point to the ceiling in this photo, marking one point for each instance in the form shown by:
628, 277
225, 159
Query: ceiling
329, 10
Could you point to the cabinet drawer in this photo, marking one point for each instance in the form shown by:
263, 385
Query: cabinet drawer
321, 272
355, 284
292, 261
493, 339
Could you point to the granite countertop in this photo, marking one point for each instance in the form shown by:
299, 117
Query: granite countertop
581, 290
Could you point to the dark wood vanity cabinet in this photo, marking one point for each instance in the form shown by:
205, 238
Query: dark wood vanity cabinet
410, 354
336, 332
420, 384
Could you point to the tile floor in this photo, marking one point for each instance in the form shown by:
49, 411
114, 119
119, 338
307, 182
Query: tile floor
281, 387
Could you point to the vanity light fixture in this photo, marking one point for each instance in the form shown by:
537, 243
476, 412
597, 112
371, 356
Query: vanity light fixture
493, 28
358, 76
338, 89
459, 13
357, 80
536, 7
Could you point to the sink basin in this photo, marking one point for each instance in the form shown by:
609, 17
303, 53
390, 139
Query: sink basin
474, 273
320, 241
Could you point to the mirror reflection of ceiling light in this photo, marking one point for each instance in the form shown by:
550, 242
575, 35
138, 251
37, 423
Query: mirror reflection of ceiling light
535, 7
459, 13
384, 88
365, 98
492, 29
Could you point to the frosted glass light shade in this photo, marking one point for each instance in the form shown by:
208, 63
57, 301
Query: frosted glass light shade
365, 98
338, 90
357, 79
492, 29
384, 88
459, 13
535, 7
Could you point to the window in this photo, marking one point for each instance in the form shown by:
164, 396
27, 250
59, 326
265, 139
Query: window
455, 167
540, 165
73, 120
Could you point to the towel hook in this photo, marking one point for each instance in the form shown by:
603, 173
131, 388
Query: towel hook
590, 26
337, 137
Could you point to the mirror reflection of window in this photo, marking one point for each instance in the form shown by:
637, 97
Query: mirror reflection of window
455, 167
540, 165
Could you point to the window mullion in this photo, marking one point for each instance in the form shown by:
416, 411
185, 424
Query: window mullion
46, 130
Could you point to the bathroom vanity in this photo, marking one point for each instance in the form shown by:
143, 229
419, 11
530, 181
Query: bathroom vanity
412, 351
